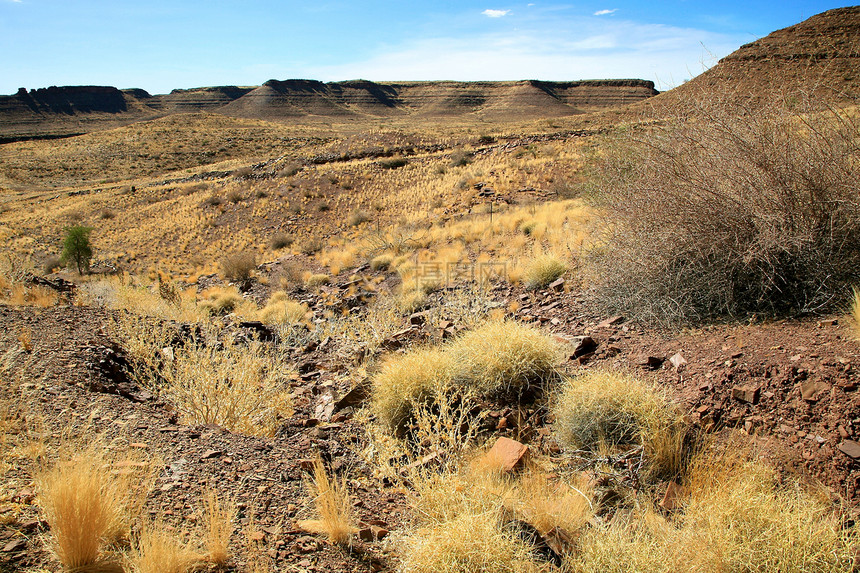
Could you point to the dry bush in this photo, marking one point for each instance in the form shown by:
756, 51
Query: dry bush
610, 408
218, 517
143, 299
158, 551
406, 381
547, 504
235, 196
393, 163
282, 310
51, 264
542, 270
89, 496
740, 516
281, 241
728, 209
317, 279
381, 262
311, 245
411, 301
244, 388
356, 218
333, 507
43, 297
219, 301
239, 267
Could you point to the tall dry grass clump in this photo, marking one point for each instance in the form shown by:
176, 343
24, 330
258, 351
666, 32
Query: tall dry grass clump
89, 497
280, 309
406, 381
218, 517
468, 543
157, 550
728, 208
333, 507
503, 356
606, 408
543, 270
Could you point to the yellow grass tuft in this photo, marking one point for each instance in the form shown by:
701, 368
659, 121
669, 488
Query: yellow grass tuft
89, 498
498, 356
542, 270
405, 381
468, 543
158, 551
502, 356
218, 516
606, 407
333, 507
282, 310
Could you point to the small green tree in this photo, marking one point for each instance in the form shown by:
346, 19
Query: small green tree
77, 247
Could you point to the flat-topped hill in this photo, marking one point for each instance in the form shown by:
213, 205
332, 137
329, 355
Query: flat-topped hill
62, 111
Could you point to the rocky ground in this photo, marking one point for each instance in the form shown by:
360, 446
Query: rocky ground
791, 384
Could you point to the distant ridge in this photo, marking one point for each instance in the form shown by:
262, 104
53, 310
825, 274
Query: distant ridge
58, 111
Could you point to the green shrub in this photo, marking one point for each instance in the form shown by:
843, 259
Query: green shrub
77, 248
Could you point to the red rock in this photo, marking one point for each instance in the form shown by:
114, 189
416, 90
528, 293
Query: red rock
674, 496
611, 322
850, 448
507, 454
748, 394
15, 545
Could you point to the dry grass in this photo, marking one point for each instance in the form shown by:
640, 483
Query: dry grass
218, 516
242, 387
316, 279
542, 270
740, 516
333, 507
726, 210
605, 408
472, 519
157, 550
406, 381
239, 267
497, 357
218, 301
89, 497
503, 356
280, 309
468, 543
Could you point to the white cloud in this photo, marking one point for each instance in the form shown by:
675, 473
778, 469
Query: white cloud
495, 13
585, 49
605, 12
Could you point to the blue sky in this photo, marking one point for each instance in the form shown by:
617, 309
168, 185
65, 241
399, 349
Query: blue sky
159, 45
